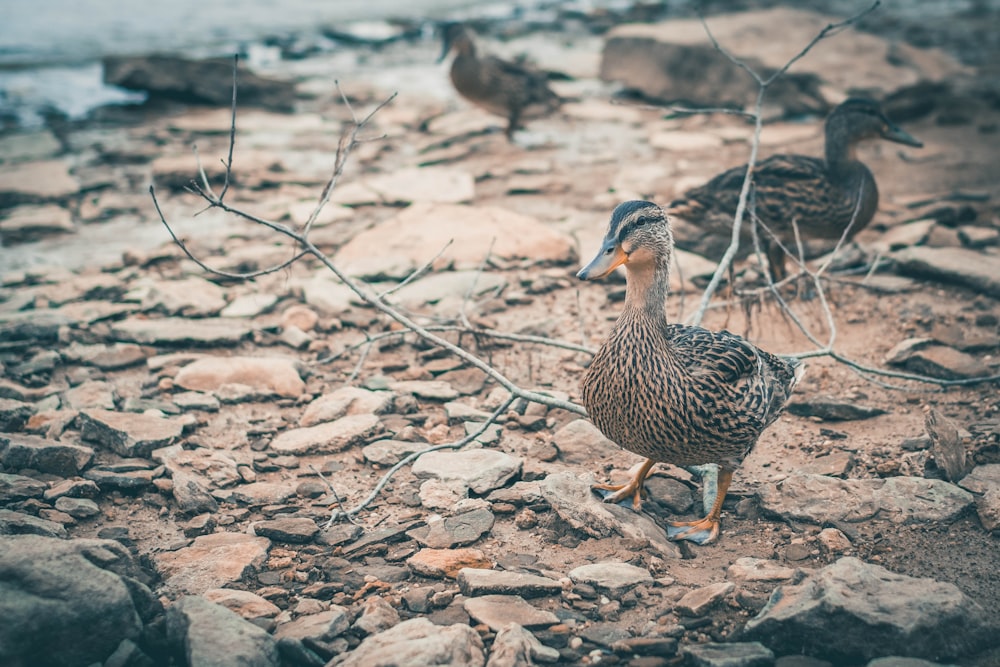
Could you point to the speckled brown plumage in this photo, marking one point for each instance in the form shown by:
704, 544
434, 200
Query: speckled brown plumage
499, 86
668, 392
827, 198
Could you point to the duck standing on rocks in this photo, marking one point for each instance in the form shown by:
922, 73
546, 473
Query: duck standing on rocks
669, 392
826, 198
499, 86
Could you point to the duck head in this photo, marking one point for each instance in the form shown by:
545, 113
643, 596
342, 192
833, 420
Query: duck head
638, 236
455, 36
859, 118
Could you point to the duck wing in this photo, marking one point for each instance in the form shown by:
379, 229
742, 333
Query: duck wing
728, 367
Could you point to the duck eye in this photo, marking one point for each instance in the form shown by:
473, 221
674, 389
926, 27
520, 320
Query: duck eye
640, 222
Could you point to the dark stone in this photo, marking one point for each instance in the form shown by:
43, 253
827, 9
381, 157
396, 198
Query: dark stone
14, 414
58, 458
207, 81
69, 602
831, 409
131, 482
19, 487
210, 634
293, 530
18, 523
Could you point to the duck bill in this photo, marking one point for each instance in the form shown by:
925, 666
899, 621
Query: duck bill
893, 133
608, 258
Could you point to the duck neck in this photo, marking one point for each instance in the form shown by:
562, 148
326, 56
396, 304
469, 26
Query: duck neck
841, 152
646, 292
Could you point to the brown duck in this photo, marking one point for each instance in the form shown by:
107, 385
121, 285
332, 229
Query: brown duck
501, 87
673, 393
828, 198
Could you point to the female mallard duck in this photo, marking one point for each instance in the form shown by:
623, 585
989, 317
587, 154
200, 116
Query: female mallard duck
827, 198
673, 393
501, 87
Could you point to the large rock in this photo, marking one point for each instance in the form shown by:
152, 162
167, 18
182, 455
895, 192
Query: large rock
418, 642
851, 611
197, 81
819, 499
206, 633
951, 265
266, 376
19, 451
212, 561
68, 602
573, 500
181, 331
127, 433
395, 248
347, 401
675, 60
328, 436
481, 469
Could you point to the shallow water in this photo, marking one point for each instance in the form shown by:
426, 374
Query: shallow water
50, 49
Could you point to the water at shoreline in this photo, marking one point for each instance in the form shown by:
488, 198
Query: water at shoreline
50, 49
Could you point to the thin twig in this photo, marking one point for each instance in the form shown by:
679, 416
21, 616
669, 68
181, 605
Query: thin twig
416, 455
336, 496
417, 273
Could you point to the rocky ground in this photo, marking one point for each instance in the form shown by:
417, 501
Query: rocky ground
177, 448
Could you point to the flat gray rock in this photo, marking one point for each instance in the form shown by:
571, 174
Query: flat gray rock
210, 634
454, 531
434, 390
391, 452
730, 654
474, 582
418, 641
181, 331
953, 265
18, 487
106, 357
580, 442
499, 611
515, 646
323, 626
296, 530
68, 602
188, 297
91, 394
819, 499
19, 450
700, 600
346, 401
18, 523
128, 434
573, 500
328, 437
613, 578
482, 470
852, 611
218, 467
267, 376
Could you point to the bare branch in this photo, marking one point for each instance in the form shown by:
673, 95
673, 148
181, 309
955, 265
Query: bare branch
416, 455
232, 133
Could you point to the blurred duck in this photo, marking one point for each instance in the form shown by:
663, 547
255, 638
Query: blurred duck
501, 87
828, 198
673, 393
